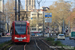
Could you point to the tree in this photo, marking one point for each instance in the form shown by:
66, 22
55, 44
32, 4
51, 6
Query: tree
60, 11
9, 9
71, 18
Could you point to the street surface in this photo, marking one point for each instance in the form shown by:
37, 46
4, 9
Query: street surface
32, 44
35, 44
67, 41
4, 39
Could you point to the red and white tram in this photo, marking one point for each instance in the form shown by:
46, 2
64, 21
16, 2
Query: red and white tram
20, 31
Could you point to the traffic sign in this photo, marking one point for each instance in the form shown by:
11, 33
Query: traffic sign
31, 18
48, 14
48, 20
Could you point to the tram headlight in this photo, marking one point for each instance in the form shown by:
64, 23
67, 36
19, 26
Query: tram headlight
24, 37
15, 37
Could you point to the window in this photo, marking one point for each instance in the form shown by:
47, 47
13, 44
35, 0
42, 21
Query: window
39, 29
33, 28
28, 31
33, 14
20, 27
12, 29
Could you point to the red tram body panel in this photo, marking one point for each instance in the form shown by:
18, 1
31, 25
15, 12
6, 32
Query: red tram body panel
20, 31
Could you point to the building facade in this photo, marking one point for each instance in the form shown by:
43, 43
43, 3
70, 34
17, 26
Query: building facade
2, 22
36, 23
29, 5
1, 5
24, 15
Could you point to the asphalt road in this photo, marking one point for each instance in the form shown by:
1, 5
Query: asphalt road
67, 41
4, 39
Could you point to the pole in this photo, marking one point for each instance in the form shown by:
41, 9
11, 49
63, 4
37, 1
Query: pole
3, 6
19, 10
48, 26
38, 12
15, 10
38, 20
43, 23
0, 21
63, 26
69, 27
38, 15
9, 25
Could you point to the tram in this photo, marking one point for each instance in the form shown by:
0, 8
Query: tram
20, 31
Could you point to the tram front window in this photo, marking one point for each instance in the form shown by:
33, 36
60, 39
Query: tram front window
20, 28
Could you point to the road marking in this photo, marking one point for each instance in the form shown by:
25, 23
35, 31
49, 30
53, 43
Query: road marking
47, 44
24, 47
10, 47
37, 45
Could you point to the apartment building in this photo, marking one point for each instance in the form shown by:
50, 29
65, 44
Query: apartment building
29, 5
1, 5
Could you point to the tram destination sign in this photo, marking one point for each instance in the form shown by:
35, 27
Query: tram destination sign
20, 22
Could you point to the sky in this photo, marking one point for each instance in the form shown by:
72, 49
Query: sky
45, 3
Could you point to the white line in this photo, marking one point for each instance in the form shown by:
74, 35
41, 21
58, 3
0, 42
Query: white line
47, 44
37, 45
24, 47
10, 47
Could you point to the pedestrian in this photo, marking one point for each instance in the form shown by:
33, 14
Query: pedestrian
66, 32
3, 34
51, 35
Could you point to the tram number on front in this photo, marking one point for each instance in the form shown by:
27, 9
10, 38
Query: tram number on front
20, 39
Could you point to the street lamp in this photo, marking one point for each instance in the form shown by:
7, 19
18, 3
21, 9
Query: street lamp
43, 20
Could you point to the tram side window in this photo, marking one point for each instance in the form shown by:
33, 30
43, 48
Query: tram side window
28, 30
13, 30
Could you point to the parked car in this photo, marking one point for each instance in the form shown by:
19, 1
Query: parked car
8, 34
72, 35
61, 36
3, 34
38, 34
32, 34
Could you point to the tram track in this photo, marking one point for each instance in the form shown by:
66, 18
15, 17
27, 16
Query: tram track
32, 45
35, 44
47, 45
5, 47
26, 46
17, 47
50, 48
43, 45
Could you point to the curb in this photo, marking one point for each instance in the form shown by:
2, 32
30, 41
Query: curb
5, 45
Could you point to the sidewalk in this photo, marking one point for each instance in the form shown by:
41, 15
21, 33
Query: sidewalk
6, 36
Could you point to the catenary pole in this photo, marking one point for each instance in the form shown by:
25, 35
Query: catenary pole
38, 12
15, 10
